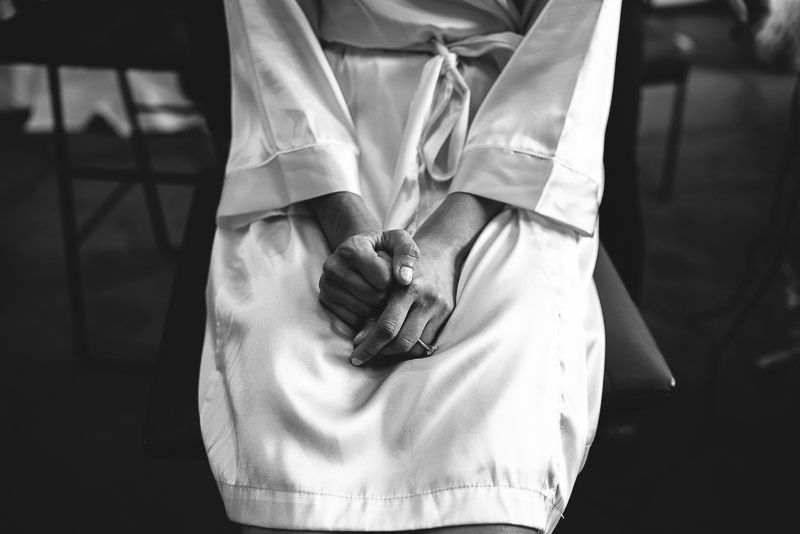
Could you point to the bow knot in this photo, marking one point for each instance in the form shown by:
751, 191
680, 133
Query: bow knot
446, 126
438, 120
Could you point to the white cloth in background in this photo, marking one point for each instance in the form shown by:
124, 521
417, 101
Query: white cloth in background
7, 10
495, 426
88, 93
15, 86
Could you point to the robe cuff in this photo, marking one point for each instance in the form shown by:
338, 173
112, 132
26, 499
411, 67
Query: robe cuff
289, 177
536, 183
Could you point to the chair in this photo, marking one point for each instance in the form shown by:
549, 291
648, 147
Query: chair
668, 58
99, 34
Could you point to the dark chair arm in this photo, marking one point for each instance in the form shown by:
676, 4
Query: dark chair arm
636, 374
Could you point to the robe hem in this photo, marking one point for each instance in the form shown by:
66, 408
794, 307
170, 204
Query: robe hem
452, 506
543, 185
318, 170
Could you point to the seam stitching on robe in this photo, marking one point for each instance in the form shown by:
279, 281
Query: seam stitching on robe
529, 152
393, 497
219, 355
276, 155
555, 483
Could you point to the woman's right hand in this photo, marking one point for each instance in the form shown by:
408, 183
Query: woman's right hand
413, 313
357, 276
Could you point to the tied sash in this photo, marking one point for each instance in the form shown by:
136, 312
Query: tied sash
438, 121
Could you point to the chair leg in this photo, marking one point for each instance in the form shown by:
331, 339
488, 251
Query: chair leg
142, 160
673, 143
69, 223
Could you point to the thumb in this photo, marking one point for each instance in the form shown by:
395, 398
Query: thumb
405, 254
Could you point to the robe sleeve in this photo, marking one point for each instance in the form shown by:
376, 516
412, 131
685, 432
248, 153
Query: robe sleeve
293, 138
537, 140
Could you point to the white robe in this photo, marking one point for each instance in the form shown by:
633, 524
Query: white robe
405, 101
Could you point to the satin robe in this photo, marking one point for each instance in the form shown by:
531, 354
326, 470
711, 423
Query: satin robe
402, 102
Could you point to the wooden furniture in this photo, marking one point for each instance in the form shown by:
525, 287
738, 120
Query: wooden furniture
668, 58
99, 34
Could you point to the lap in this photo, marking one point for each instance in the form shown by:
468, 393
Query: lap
491, 429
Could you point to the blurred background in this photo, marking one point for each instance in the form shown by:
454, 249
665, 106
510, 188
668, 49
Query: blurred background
713, 139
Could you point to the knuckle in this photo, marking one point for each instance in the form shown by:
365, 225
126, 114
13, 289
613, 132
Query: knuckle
386, 329
444, 305
434, 297
404, 344
409, 249
332, 265
347, 252
360, 240
325, 296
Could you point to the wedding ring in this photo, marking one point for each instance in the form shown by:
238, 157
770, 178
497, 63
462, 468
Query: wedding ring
429, 349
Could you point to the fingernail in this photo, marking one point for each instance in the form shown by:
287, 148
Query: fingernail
356, 362
360, 337
406, 273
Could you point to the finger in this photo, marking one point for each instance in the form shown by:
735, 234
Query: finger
343, 313
428, 334
405, 254
368, 325
336, 273
385, 329
405, 342
331, 294
360, 253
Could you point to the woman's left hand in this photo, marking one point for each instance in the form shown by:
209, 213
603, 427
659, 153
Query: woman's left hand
414, 312
420, 310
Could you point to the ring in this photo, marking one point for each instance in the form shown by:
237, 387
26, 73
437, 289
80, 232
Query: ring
429, 349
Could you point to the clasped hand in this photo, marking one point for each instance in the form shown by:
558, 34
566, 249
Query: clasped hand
396, 290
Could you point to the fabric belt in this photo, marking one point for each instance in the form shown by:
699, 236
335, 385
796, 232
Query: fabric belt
438, 121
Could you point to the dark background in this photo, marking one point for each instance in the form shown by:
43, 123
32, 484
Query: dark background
72, 435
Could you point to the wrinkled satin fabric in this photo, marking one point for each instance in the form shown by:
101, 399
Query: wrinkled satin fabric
403, 102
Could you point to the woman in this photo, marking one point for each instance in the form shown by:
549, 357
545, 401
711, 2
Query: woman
403, 332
